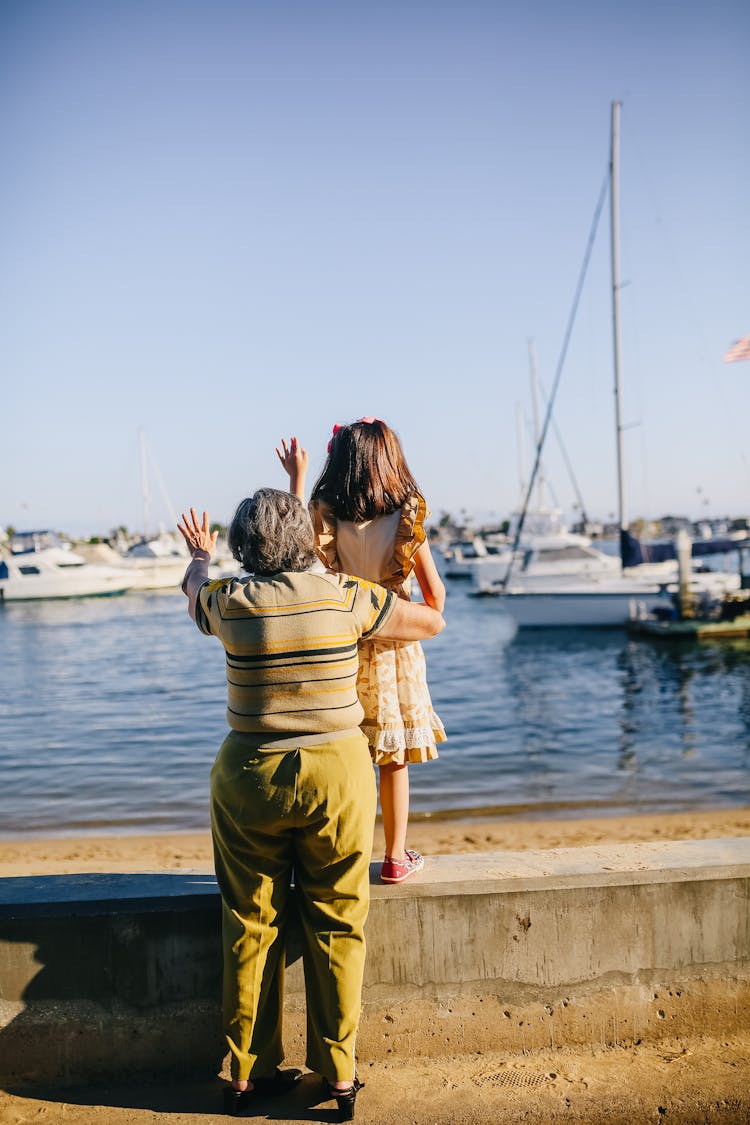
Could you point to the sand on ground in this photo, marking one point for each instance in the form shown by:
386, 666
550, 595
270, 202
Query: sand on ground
700, 1082
177, 851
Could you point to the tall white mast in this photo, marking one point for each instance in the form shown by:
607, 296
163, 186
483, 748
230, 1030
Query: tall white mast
614, 171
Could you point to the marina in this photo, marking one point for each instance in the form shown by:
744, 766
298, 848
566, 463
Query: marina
694, 630
226, 225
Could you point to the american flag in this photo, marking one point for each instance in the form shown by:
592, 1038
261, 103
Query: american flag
739, 350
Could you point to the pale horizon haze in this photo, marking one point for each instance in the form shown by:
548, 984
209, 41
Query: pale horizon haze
228, 222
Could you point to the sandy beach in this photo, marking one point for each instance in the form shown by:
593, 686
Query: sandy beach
702, 1082
686, 1081
437, 836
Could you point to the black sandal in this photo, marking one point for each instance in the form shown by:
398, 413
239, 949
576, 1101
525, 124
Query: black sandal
279, 1083
345, 1099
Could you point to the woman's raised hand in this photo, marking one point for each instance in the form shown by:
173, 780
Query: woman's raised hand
197, 536
294, 459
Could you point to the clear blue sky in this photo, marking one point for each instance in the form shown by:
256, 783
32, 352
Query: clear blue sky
227, 221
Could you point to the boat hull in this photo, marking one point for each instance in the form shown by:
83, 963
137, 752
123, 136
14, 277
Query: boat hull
13, 591
53, 573
583, 609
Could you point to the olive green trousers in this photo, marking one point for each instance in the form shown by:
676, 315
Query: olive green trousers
309, 810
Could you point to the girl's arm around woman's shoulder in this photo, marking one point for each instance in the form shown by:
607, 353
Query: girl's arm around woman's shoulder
411, 621
430, 582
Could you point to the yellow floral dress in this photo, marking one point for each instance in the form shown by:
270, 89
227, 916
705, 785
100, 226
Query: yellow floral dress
400, 723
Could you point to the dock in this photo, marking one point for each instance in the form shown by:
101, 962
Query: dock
692, 629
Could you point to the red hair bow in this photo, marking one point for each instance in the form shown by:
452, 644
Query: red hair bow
367, 421
336, 428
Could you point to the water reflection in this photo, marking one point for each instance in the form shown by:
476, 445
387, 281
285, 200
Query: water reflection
665, 722
631, 687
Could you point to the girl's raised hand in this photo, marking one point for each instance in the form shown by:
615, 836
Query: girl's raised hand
294, 459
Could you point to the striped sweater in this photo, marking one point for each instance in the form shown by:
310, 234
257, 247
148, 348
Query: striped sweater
291, 647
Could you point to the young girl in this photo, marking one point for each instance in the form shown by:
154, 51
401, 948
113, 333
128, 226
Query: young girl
368, 516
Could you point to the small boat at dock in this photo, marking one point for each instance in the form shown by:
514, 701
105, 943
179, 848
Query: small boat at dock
692, 629
689, 620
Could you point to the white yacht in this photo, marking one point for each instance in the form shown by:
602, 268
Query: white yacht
547, 549
564, 580
149, 565
39, 566
460, 556
158, 563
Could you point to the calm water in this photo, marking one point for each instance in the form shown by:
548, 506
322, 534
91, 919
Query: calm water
111, 712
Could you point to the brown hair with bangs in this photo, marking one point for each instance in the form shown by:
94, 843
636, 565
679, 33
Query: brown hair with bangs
365, 474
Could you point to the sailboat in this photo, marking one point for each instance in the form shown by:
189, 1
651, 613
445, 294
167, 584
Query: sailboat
157, 561
601, 591
538, 533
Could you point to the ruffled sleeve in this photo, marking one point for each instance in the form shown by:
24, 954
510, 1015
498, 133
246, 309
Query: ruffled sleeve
410, 535
324, 527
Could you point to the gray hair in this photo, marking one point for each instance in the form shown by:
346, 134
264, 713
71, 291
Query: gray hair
271, 531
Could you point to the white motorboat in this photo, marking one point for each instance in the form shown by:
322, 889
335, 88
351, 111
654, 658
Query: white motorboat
564, 580
566, 556
546, 547
461, 555
547, 562
156, 564
149, 566
547, 550
39, 566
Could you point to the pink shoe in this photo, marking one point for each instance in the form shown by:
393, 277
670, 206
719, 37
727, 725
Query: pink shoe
395, 870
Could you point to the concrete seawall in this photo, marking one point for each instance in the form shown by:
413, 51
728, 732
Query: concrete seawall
104, 975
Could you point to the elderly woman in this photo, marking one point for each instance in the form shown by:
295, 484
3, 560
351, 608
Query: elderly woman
292, 788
